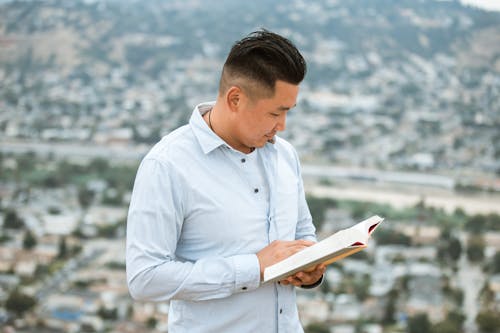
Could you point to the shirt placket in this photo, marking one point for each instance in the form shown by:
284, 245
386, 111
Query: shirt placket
270, 164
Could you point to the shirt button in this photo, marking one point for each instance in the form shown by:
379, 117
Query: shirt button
243, 160
244, 288
256, 190
281, 310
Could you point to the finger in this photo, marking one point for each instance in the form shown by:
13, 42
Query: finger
297, 282
296, 243
301, 275
292, 280
304, 242
309, 277
284, 282
319, 269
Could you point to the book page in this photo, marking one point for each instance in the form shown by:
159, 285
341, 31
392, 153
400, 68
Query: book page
369, 225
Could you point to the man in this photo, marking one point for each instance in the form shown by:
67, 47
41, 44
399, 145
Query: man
217, 201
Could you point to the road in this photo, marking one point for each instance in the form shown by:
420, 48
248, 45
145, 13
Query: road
403, 198
471, 280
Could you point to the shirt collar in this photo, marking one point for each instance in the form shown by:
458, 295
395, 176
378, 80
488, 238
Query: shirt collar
207, 139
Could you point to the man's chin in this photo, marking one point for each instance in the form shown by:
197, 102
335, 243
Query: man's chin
270, 138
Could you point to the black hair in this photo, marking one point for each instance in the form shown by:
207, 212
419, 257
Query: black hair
263, 57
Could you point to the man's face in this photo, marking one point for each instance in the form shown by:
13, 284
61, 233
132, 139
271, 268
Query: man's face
261, 119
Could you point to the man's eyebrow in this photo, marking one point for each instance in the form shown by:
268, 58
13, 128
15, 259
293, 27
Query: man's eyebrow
286, 108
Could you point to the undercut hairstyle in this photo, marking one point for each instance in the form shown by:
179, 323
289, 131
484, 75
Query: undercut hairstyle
257, 61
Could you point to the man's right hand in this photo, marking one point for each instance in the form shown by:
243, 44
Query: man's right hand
279, 250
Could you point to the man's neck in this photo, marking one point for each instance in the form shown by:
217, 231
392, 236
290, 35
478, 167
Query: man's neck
222, 129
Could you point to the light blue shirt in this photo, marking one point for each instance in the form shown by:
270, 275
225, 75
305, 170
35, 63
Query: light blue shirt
199, 213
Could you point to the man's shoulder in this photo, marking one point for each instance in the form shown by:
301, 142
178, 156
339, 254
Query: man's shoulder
284, 146
172, 144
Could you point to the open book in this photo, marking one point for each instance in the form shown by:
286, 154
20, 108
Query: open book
335, 247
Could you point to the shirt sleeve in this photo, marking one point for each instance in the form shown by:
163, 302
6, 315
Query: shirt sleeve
154, 225
305, 228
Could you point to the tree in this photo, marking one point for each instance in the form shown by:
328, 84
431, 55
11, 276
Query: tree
475, 248
452, 324
318, 207
12, 220
476, 223
389, 236
449, 248
19, 303
360, 211
456, 317
495, 263
488, 321
390, 308
317, 328
362, 287
487, 296
419, 324
454, 248
99, 165
446, 326
107, 314
85, 197
63, 248
493, 221
29, 240
151, 322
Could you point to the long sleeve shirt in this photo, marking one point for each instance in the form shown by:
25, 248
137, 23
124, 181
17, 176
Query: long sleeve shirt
199, 213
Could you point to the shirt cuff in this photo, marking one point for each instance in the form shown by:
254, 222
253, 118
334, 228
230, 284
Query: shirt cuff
314, 285
247, 272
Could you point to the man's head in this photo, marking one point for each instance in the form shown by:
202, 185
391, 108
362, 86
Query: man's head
259, 85
257, 61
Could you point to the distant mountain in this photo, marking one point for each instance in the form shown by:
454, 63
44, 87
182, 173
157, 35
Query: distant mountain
391, 84
146, 35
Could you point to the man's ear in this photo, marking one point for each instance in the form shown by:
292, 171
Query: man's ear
234, 98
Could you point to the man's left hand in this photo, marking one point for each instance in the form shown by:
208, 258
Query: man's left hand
305, 278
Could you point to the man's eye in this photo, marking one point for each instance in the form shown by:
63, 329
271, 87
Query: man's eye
275, 114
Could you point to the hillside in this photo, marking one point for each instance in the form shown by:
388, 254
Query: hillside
419, 80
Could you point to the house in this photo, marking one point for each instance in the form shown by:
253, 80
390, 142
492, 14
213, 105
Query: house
142, 311
7, 258
25, 268
343, 328
492, 241
425, 294
312, 310
8, 282
420, 233
104, 215
63, 224
346, 308
91, 324
382, 280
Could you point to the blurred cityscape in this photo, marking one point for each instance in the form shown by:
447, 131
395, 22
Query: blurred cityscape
399, 116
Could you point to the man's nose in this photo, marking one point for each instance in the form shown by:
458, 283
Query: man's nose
281, 124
